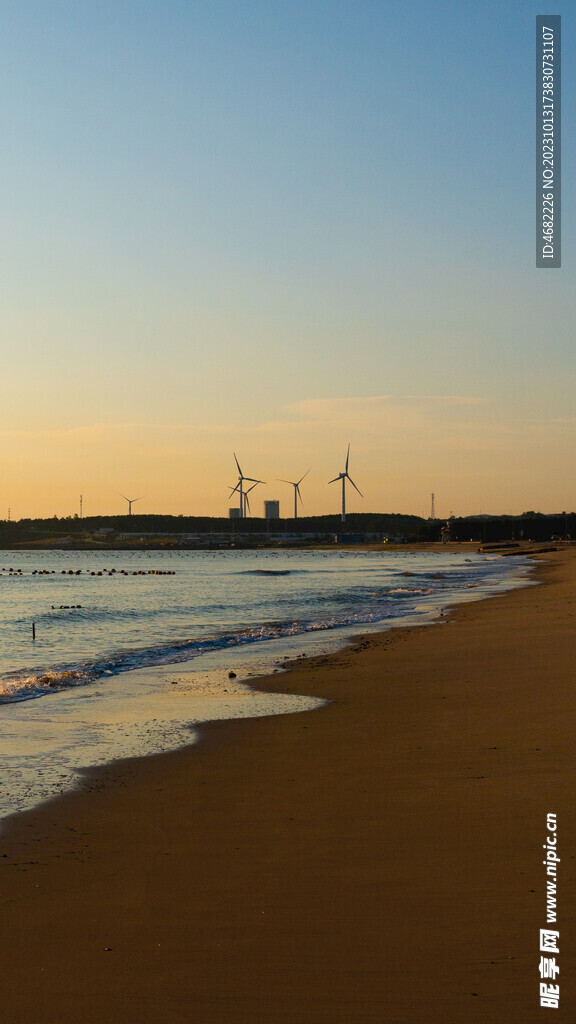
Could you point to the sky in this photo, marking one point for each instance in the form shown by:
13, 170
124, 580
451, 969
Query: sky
276, 228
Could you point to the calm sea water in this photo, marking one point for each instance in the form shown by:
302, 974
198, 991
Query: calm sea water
133, 648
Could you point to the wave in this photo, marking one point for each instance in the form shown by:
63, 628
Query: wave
409, 591
278, 572
266, 572
32, 683
106, 638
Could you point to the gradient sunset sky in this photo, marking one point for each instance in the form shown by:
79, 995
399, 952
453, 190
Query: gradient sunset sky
277, 228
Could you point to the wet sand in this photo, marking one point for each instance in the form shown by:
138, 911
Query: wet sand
377, 860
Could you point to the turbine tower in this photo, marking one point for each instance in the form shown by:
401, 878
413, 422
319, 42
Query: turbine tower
240, 488
296, 486
246, 493
130, 501
344, 477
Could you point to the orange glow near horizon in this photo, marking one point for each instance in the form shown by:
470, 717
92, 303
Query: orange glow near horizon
402, 449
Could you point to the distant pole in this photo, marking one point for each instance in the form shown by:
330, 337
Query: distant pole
80, 506
8, 515
33, 630
432, 516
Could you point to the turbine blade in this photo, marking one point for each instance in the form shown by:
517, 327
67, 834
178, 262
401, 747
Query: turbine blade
305, 475
347, 458
335, 480
238, 464
299, 495
354, 485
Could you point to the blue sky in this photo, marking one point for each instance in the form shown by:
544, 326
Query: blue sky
278, 228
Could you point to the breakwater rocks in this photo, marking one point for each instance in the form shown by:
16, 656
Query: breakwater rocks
91, 572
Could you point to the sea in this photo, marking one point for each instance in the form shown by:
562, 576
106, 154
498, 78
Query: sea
118, 654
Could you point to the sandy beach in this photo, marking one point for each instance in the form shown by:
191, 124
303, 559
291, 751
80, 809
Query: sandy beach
377, 860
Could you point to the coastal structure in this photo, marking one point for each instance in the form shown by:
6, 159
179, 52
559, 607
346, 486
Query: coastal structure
244, 504
344, 477
296, 485
130, 501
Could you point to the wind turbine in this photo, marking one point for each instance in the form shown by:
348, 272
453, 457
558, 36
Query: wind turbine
130, 501
344, 477
246, 493
240, 488
296, 486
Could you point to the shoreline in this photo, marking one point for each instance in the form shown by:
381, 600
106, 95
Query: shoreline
154, 708
377, 861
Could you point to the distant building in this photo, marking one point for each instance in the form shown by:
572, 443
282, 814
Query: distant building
271, 510
234, 513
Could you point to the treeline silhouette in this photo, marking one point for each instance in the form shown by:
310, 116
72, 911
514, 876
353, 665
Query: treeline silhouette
103, 530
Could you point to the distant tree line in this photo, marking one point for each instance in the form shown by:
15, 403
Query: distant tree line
531, 526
